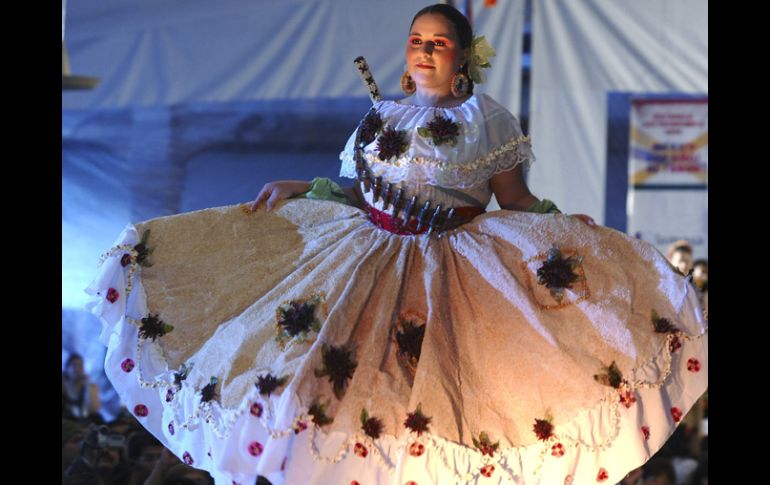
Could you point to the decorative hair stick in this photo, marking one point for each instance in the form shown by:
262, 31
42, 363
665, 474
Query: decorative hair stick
366, 76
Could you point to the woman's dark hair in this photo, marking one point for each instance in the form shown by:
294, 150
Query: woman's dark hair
462, 29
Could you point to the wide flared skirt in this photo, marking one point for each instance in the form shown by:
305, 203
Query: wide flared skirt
310, 346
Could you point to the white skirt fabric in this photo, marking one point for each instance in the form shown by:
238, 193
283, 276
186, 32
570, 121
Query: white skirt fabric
293, 323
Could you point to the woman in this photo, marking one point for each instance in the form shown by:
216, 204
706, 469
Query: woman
394, 332
433, 62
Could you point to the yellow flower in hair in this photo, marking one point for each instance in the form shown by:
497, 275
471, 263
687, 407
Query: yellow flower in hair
481, 51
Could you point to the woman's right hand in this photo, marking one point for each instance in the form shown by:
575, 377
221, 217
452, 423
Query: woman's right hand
272, 192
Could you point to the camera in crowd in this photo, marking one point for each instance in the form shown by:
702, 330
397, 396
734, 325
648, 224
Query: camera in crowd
101, 438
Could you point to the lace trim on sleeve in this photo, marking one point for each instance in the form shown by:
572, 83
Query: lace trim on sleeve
425, 170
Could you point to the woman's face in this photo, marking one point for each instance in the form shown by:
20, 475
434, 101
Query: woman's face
433, 53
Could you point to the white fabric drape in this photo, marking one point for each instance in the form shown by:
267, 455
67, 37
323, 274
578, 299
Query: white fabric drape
166, 52
583, 50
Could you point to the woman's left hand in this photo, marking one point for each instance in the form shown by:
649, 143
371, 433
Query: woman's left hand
585, 218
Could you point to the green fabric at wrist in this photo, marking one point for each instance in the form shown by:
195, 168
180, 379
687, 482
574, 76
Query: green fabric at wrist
322, 188
544, 206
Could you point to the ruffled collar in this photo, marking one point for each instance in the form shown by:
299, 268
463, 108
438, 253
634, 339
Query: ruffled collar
488, 139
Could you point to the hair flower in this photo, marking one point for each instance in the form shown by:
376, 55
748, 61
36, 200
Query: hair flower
481, 51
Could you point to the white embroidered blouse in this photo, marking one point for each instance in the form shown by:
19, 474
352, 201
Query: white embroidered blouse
490, 141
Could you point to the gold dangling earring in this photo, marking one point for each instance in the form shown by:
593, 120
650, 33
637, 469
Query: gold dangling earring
407, 84
459, 85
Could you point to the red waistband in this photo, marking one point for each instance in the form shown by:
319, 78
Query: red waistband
396, 225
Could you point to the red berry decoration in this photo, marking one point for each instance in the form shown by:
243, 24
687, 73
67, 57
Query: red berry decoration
360, 450
126, 260
693, 365
141, 410
169, 395
187, 459
411, 482
676, 413
646, 432
557, 450
675, 344
602, 476
256, 409
127, 365
627, 399
416, 449
255, 448
487, 470
112, 295
485, 445
355, 482
301, 426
